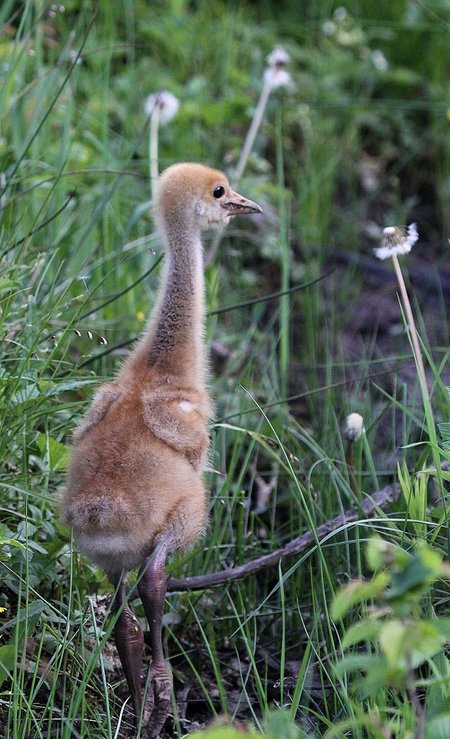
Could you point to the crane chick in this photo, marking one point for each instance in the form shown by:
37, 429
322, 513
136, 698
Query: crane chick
135, 491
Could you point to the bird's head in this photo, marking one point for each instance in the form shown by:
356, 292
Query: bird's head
199, 195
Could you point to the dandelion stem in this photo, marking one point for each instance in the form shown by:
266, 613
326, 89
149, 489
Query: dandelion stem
351, 471
243, 158
153, 147
412, 330
253, 130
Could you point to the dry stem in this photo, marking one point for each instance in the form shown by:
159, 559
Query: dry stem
412, 328
370, 506
153, 147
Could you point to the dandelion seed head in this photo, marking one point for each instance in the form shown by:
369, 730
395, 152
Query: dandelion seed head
278, 57
354, 426
165, 102
329, 28
277, 77
397, 241
275, 73
340, 13
379, 61
74, 57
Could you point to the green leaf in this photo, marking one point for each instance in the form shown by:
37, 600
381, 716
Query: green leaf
426, 641
444, 429
443, 625
366, 630
421, 570
357, 591
360, 661
381, 553
26, 614
25, 395
438, 727
379, 677
50, 388
7, 660
5, 541
392, 639
222, 732
57, 454
279, 725
376, 673
409, 644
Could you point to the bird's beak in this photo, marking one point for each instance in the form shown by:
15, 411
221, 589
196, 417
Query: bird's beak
238, 205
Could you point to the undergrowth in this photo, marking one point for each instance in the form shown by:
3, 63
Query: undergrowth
355, 143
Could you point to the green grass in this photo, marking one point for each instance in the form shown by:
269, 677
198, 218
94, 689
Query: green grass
79, 254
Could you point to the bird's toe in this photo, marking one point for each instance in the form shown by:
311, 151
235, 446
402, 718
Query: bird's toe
157, 703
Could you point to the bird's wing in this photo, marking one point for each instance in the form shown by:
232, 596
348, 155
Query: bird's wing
103, 399
179, 423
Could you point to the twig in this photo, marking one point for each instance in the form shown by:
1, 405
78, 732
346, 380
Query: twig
370, 506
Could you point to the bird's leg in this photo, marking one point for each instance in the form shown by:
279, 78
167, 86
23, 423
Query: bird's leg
130, 644
152, 590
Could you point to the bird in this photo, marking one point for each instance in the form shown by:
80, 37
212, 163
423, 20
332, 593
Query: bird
135, 490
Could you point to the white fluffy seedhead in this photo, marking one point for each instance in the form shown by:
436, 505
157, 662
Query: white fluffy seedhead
354, 427
166, 104
397, 241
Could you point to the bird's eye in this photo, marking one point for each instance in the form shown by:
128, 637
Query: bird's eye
218, 191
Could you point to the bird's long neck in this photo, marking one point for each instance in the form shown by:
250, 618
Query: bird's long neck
173, 341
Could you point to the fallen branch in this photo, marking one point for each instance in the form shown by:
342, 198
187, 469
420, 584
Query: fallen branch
369, 507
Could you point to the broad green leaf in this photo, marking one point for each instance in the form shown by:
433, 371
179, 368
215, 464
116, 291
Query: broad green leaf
279, 725
357, 592
25, 614
381, 553
360, 661
379, 677
420, 571
426, 640
366, 630
58, 455
392, 640
431, 558
223, 732
443, 625
50, 387
5, 541
25, 395
444, 429
7, 660
438, 727
409, 644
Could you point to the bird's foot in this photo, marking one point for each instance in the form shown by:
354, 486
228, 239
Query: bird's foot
157, 701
